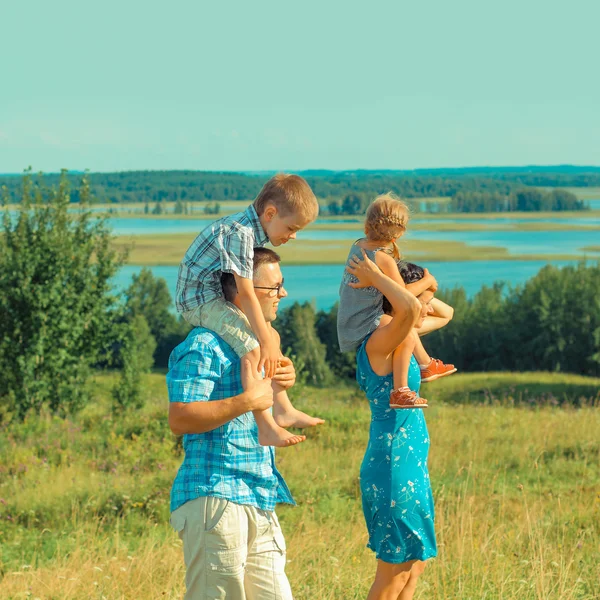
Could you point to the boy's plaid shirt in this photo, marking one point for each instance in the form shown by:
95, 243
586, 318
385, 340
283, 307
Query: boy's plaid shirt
227, 462
225, 246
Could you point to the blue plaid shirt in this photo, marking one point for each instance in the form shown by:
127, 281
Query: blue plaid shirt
227, 462
225, 246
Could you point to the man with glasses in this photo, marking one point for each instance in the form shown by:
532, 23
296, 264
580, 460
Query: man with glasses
224, 494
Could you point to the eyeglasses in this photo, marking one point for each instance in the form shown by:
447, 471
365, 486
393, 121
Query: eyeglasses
277, 289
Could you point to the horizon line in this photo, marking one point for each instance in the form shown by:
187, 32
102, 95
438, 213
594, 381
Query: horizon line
320, 170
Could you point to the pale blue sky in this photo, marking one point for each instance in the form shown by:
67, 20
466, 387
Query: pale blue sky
260, 85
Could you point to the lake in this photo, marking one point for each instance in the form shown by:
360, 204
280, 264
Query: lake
594, 204
589, 220
320, 283
517, 242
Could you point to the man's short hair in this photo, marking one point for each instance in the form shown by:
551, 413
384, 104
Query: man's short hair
290, 194
262, 256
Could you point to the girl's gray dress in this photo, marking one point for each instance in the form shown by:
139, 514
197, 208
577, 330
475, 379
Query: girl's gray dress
360, 310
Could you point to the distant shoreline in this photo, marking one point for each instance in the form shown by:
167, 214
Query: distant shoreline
168, 250
539, 221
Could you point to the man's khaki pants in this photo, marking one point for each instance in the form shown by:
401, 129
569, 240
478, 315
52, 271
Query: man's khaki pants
231, 551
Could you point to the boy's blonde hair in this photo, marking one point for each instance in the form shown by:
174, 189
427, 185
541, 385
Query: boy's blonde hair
290, 194
386, 220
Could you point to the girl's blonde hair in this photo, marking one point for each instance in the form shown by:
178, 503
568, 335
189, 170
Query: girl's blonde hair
386, 220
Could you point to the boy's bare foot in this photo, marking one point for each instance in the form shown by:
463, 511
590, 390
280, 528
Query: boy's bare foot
279, 437
435, 369
297, 418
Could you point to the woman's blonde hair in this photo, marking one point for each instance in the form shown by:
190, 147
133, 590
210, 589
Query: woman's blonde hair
386, 220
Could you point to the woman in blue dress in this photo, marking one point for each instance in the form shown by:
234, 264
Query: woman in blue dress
395, 486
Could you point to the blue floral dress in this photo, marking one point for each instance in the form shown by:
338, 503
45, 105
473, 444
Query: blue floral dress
394, 480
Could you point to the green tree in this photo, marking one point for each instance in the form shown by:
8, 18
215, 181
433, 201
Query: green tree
448, 343
551, 323
556, 320
212, 209
180, 208
352, 205
136, 358
297, 327
198, 186
55, 299
334, 207
342, 364
149, 296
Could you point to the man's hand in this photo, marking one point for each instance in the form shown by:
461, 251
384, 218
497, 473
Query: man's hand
286, 373
258, 392
365, 270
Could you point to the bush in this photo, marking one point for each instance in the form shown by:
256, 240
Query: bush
55, 299
149, 296
342, 364
136, 357
297, 327
552, 323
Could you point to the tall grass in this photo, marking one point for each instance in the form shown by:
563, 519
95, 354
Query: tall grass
84, 502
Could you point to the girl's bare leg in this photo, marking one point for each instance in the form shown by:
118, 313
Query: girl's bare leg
390, 580
409, 589
401, 361
420, 353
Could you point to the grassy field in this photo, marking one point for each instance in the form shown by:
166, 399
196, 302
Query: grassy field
168, 249
84, 501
